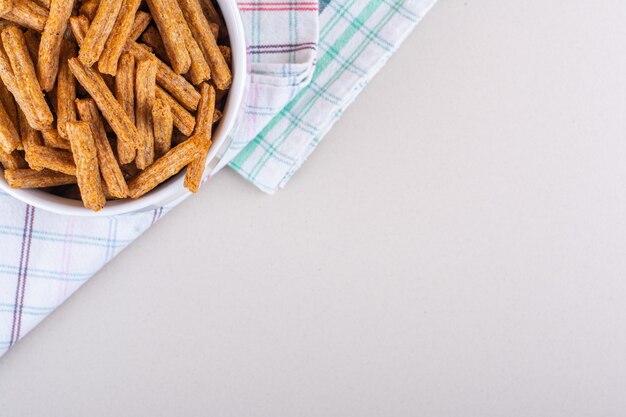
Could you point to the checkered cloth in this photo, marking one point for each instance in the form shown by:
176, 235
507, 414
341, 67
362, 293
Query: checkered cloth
307, 61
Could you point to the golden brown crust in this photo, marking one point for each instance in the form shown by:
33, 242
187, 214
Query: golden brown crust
174, 84
9, 138
66, 90
108, 105
87, 167
5, 6
54, 159
125, 94
98, 32
204, 121
142, 20
79, 26
28, 178
50, 44
145, 83
89, 8
165, 167
110, 170
29, 135
117, 39
165, 15
34, 104
27, 14
183, 120
163, 121
52, 139
199, 26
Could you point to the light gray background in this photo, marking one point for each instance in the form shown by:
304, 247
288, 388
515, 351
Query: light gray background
455, 247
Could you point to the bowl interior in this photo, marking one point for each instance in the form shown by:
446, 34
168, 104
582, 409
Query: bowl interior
172, 189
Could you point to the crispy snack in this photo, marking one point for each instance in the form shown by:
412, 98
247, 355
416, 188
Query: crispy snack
87, 171
12, 160
29, 135
9, 138
119, 35
163, 121
109, 168
31, 99
199, 70
214, 16
27, 14
52, 139
89, 8
28, 178
66, 89
125, 94
108, 105
6, 98
98, 32
204, 121
183, 120
50, 45
168, 18
152, 38
54, 159
32, 39
5, 6
165, 167
145, 83
79, 26
201, 31
173, 83
142, 20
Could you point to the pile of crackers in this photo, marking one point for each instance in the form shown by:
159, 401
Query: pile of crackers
107, 99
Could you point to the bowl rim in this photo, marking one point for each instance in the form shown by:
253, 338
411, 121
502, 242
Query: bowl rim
173, 189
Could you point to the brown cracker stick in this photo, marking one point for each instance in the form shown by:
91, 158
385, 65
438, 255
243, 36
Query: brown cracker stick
31, 100
152, 38
79, 26
89, 8
142, 20
214, 16
109, 168
29, 135
12, 160
27, 14
145, 83
9, 138
204, 122
163, 121
227, 53
50, 158
50, 45
5, 6
183, 120
201, 31
119, 35
52, 139
165, 167
87, 171
173, 83
98, 32
108, 105
27, 178
199, 70
66, 89
125, 94
166, 16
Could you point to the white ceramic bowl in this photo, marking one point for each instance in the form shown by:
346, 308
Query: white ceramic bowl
173, 189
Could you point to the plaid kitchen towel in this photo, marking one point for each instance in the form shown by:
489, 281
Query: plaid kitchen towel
307, 62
